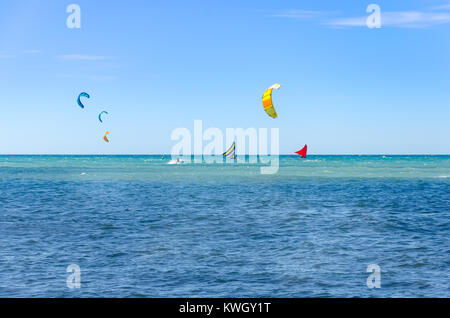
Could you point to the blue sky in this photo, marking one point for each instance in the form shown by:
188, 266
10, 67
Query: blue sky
159, 65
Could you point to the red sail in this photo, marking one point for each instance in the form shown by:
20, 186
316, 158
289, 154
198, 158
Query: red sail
303, 151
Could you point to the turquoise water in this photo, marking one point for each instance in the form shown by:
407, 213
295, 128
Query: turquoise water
139, 227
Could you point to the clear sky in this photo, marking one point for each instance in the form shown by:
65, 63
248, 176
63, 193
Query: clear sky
159, 65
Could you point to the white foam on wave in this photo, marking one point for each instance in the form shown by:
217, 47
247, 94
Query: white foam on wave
175, 162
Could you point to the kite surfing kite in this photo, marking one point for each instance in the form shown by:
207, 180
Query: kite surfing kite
231, 152
105, 138
302, 152
100, 115
267, 101
82, 95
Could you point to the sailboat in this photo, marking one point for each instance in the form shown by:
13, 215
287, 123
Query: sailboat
231, 152
302, 152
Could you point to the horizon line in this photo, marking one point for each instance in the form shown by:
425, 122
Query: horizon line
192, 155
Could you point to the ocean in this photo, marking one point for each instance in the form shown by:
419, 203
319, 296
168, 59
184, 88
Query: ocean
139, 227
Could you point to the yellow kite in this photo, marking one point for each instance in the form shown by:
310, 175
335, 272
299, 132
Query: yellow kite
267, 101
104, 137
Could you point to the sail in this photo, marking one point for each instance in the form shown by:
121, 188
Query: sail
302, 152
231, 152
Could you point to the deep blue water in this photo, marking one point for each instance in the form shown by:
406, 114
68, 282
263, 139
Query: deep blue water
138, 227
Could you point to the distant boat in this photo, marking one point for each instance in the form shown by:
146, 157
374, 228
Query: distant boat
302, 152
231, 152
